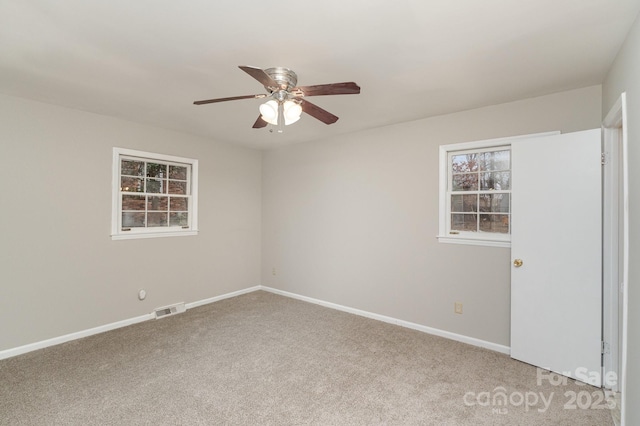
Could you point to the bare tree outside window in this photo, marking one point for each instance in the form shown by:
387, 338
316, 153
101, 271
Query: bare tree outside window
480, 191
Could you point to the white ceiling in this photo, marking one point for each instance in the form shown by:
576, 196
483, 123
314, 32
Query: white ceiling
148, 60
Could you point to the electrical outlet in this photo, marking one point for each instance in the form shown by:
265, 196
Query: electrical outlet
457, 308
273, 271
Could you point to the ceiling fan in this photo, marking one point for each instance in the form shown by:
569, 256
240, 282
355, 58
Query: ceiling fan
288, 100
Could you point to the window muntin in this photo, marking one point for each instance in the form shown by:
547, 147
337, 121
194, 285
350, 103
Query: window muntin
154, 195
479, 191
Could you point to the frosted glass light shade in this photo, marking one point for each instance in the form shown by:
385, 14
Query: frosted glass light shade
291, 112
269, 112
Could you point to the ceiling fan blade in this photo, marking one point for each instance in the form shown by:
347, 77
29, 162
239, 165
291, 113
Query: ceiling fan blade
260, 123
315, 111
260, 75
233, 98
348, 88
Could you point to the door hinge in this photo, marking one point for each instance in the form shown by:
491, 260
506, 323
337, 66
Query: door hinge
603, 158
604, 348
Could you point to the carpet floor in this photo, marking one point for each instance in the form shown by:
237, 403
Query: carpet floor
264, 359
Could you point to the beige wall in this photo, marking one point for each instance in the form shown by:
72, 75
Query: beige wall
624, 76
353, 220
61, 272
350, 220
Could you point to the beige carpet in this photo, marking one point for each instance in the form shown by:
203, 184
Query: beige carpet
262, 359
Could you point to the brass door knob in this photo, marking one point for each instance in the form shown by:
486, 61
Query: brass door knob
517, 263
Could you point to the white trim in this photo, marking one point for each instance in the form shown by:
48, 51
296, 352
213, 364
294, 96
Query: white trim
115, 195
472, 241
222, 297
194, 196
611, 277
617, 117
138, 236
444, 150
406, 324
8, 353
614, 117
625, 257
116, 233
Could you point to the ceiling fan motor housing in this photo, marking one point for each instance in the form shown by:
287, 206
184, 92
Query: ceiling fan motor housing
285, 78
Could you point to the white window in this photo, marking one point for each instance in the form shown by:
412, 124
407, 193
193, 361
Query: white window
475, 192
154, 195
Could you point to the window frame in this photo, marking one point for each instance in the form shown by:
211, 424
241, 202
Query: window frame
489, 239
117, 233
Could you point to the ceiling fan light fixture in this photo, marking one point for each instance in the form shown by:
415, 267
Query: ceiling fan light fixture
293, 120
269, 112
291, 111
287, 99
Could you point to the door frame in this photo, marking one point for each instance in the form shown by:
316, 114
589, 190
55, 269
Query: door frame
615, 247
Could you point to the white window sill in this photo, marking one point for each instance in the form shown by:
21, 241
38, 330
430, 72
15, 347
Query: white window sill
473, 241
137, 235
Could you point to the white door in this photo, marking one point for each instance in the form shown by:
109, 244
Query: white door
556, 307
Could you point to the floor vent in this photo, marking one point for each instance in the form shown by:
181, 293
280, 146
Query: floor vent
178, 308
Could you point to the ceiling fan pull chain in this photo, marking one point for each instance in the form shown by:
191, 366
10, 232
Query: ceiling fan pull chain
280, 117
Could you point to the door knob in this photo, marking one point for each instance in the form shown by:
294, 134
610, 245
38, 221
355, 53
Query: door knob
517, 263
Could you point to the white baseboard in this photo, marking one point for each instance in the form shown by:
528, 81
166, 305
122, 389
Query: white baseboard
8, 353
222, 297
446, 334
